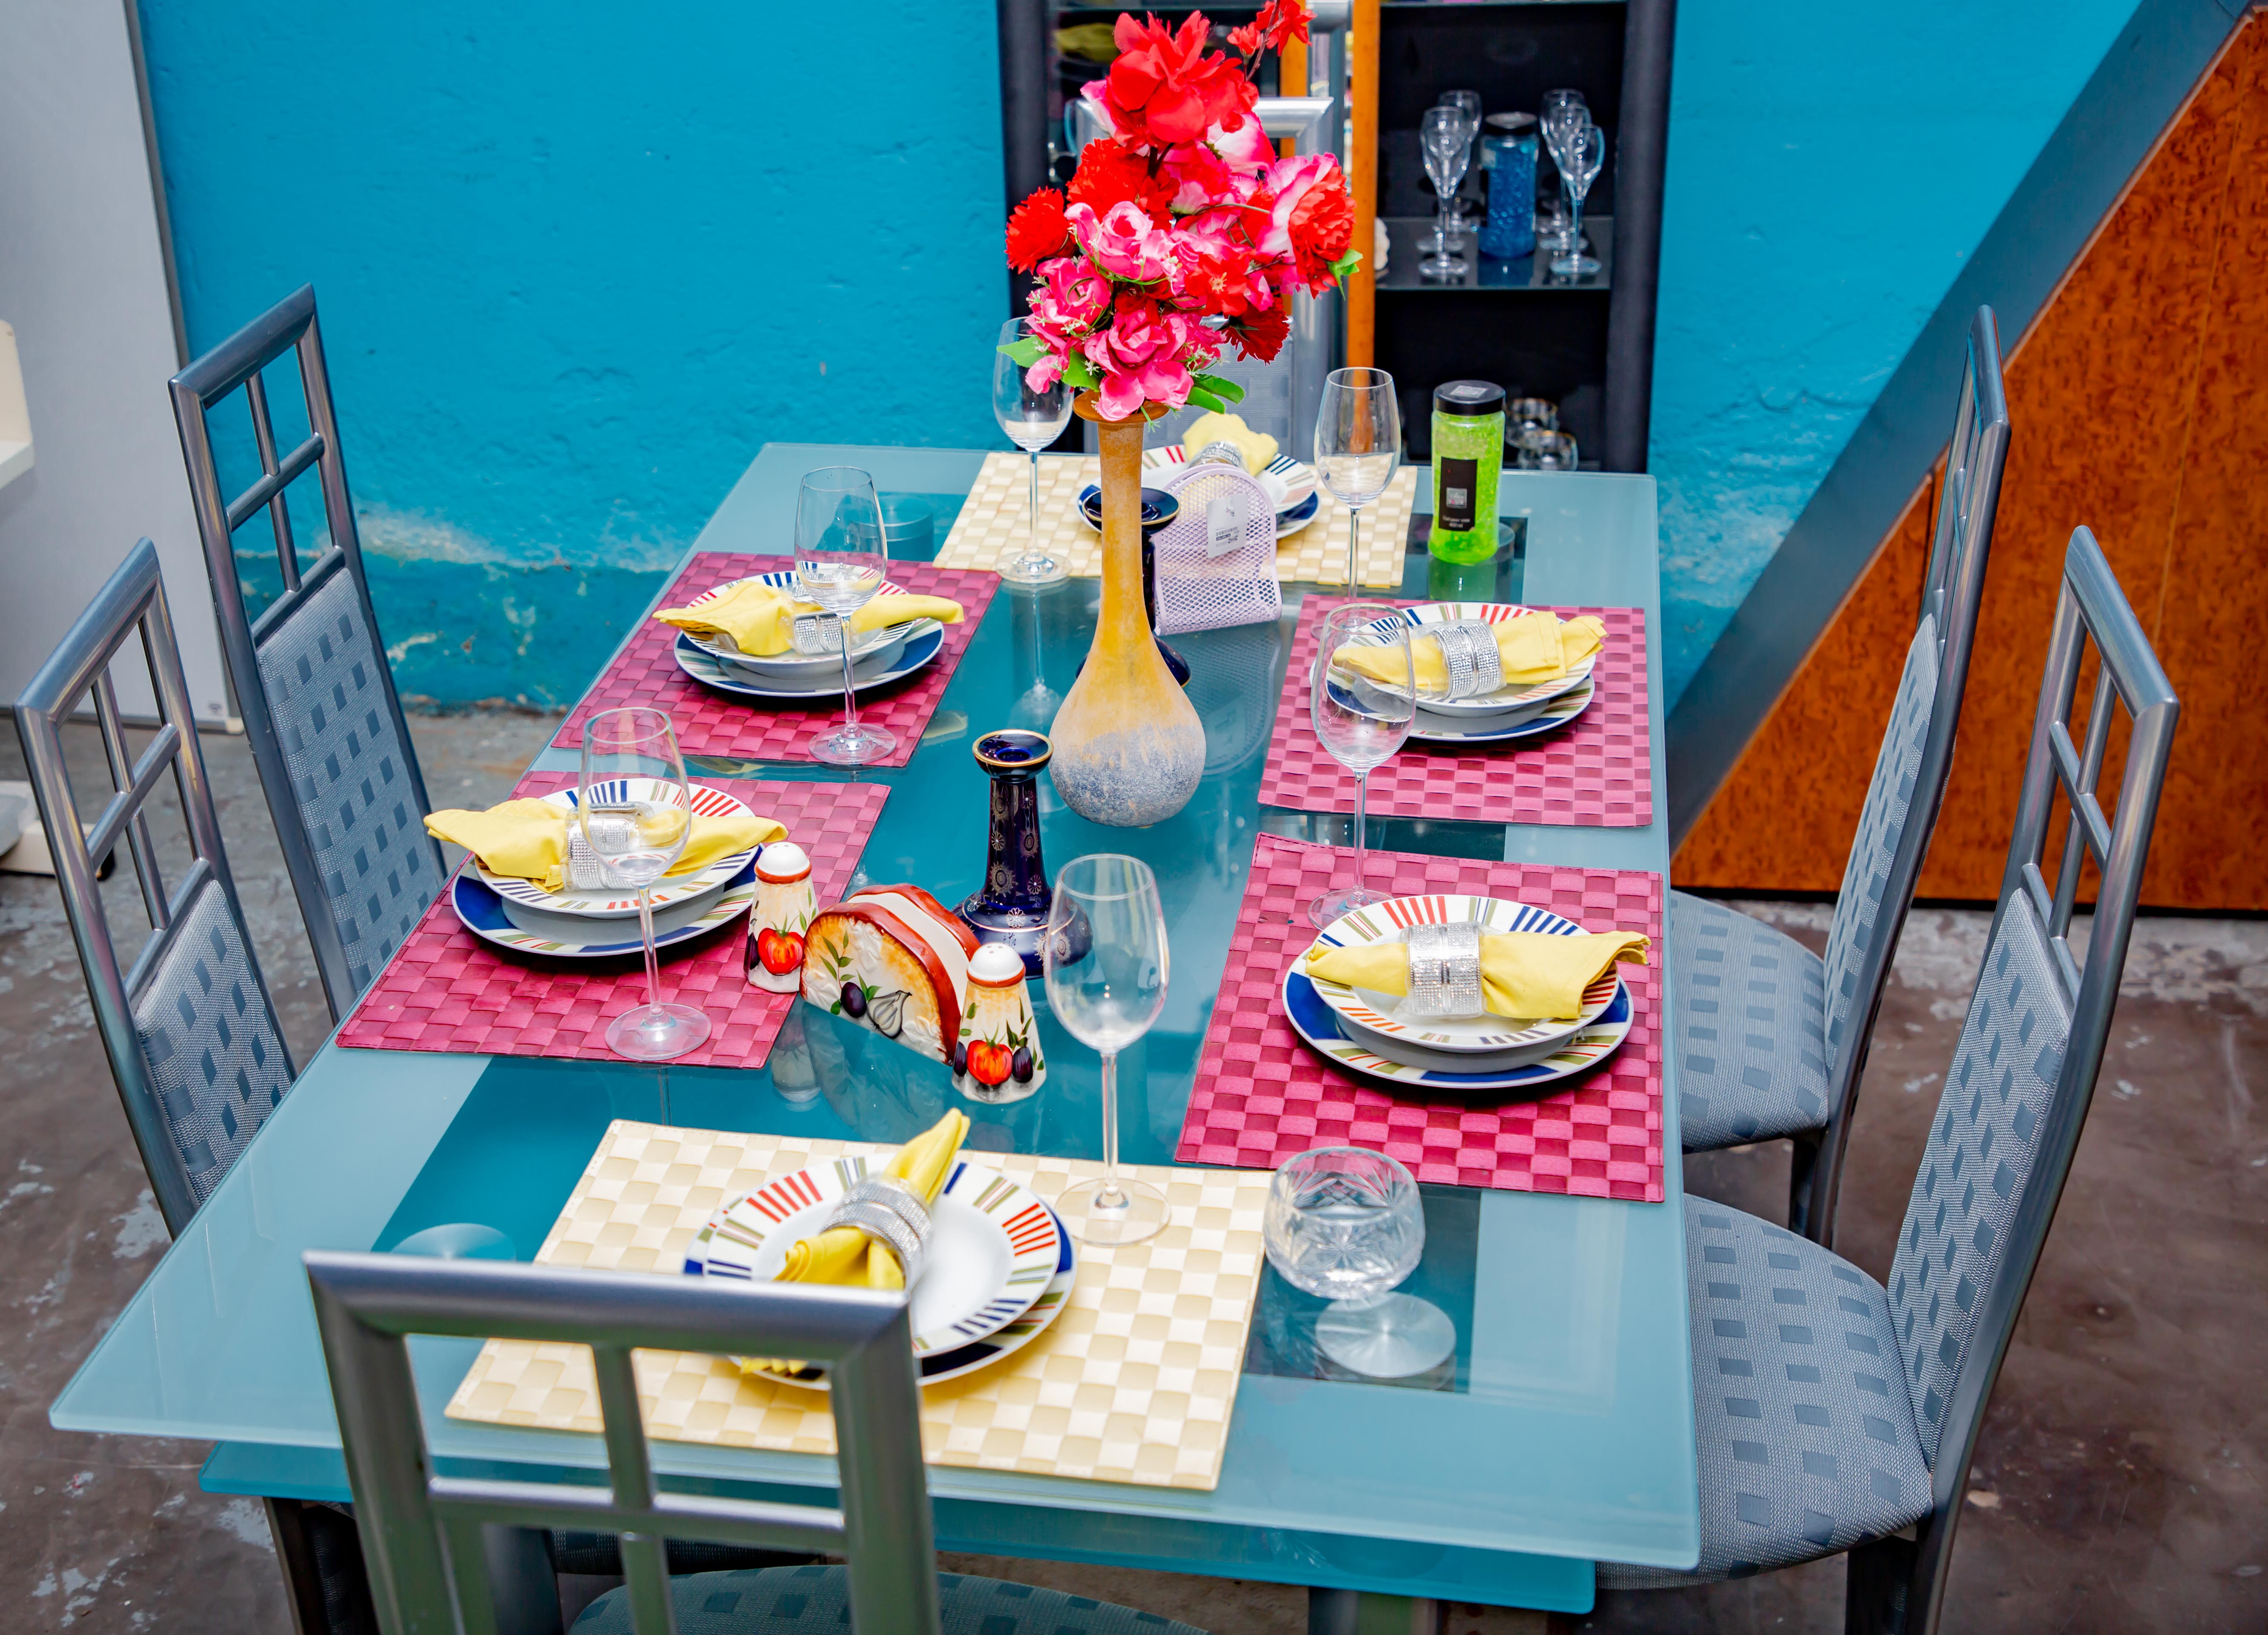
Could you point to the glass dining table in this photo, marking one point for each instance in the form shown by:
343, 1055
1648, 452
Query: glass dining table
1560, 1434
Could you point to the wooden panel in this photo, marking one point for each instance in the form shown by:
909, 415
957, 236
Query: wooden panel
2129, 399
1362, 157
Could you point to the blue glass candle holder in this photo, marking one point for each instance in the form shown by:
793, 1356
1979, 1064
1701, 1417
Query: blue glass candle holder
1509, 232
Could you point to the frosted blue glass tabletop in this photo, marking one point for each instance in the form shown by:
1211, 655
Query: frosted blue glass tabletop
1560, 1434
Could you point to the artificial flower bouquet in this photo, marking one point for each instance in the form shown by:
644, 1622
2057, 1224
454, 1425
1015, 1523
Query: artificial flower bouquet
1182, 233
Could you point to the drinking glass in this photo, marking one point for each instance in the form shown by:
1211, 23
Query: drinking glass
635, 810
1545, 451
1582, 150
1348, 1224
1469, 104
839, 550
1032, 420
1107, 969
1363, 722
1448, 149
1560, 108
1357, 445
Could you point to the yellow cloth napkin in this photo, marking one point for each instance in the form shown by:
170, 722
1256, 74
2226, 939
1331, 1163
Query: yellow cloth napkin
1524, 974
527, 838
844, 1255
760, 618
1535, 648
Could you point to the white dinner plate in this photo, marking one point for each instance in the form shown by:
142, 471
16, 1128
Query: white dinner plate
741, 683
801, 668
609, 904
1505, 700
565, 937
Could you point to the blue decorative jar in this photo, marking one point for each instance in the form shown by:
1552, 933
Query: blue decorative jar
1509, 232
1011, 907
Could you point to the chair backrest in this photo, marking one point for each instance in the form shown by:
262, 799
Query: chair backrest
191, 1037
310, 672
1915, 762
2017, 1091
421, 1530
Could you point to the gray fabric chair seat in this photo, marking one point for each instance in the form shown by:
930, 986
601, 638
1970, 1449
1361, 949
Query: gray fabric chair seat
803, 1601
1802, 1415
1750, 1028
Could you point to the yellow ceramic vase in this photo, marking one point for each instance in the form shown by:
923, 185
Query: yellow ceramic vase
1128, 748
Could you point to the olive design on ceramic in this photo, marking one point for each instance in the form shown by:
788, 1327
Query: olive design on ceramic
1020, 1066
854, 1000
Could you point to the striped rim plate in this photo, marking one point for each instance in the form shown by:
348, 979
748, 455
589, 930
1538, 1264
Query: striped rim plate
1286, 480
1319, 1025
607, 905
1525, 723
1504, 698
995, 1249
1375, 1013
483, 913
745, 683
800, 667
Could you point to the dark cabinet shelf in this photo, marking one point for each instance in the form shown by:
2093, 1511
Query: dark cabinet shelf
1483, 274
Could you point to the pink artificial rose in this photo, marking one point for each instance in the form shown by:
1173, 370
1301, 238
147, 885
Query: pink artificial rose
1042, 375
1125, 243
1123, 391
1287, 182
1076, 292
1246, 147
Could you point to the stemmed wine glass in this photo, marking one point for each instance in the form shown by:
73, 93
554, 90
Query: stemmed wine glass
1579, 153
1106, 970
1448, 149
636, 810
1349, 1224
1561, 108
1357, 445
1032, 420
1469, 104
839, 550
1362, 721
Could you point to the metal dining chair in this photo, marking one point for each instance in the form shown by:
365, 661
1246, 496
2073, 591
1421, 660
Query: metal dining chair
440, 1546
191, 1034
1771, 1039
1832, 1414
310, 674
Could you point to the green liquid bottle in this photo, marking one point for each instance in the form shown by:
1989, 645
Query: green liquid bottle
1468, 459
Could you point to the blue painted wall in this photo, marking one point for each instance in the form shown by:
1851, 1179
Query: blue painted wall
577, 262
1829, 170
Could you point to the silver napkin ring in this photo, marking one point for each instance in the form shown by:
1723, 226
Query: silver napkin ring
1469, 653
1221, 450
1445, 970
886, 1209
818, 633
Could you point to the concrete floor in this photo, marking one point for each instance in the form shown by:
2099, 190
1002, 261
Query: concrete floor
2116, 1487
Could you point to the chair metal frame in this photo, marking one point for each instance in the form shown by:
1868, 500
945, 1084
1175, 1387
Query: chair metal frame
421, 1531
1897, 1584
1952, 589
289, 325
133, 602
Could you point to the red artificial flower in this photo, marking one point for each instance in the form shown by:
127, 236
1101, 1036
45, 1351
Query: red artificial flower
1259, 334
1280, 22
1215, 285
1037, 231
1166, 87
1321, 228
1111, 173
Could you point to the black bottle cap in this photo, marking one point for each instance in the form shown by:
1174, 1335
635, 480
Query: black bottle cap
1469, 397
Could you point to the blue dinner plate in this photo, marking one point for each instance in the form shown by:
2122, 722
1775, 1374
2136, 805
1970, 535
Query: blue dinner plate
1319, 1025
745, 683
1431, 729
483, 912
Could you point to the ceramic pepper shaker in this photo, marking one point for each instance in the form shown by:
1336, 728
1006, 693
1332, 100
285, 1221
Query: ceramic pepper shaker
997, 1058
779, 918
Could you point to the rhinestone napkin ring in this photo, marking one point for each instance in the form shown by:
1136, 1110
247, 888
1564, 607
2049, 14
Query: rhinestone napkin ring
887, 1211
1445, 970
1469, 653
818, 633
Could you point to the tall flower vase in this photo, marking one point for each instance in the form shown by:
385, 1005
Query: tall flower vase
1128, 747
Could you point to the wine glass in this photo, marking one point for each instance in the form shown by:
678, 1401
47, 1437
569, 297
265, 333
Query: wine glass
1362, 721
1582, 149
839, 550
1469, 104
1032, 420
1349, 1224
635, 809
1448, 149
1539, 450
1560, 108
1107, 969
1357, 445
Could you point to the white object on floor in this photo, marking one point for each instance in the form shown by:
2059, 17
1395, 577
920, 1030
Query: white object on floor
1381, 242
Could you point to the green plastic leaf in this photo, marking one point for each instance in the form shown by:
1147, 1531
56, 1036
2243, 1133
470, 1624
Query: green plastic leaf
1346, 263
1078, 373
1203, 398
1025, 351
1218, 387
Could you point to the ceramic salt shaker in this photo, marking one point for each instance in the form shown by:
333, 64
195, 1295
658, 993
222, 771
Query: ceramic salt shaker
997, 1058
779, 918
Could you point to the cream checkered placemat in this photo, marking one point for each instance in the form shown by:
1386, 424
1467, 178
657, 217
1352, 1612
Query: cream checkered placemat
1133, 1382
996, 519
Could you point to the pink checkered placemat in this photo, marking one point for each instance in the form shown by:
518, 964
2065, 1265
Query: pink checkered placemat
446, 989
1596, 771
1262, 1095
710, 722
